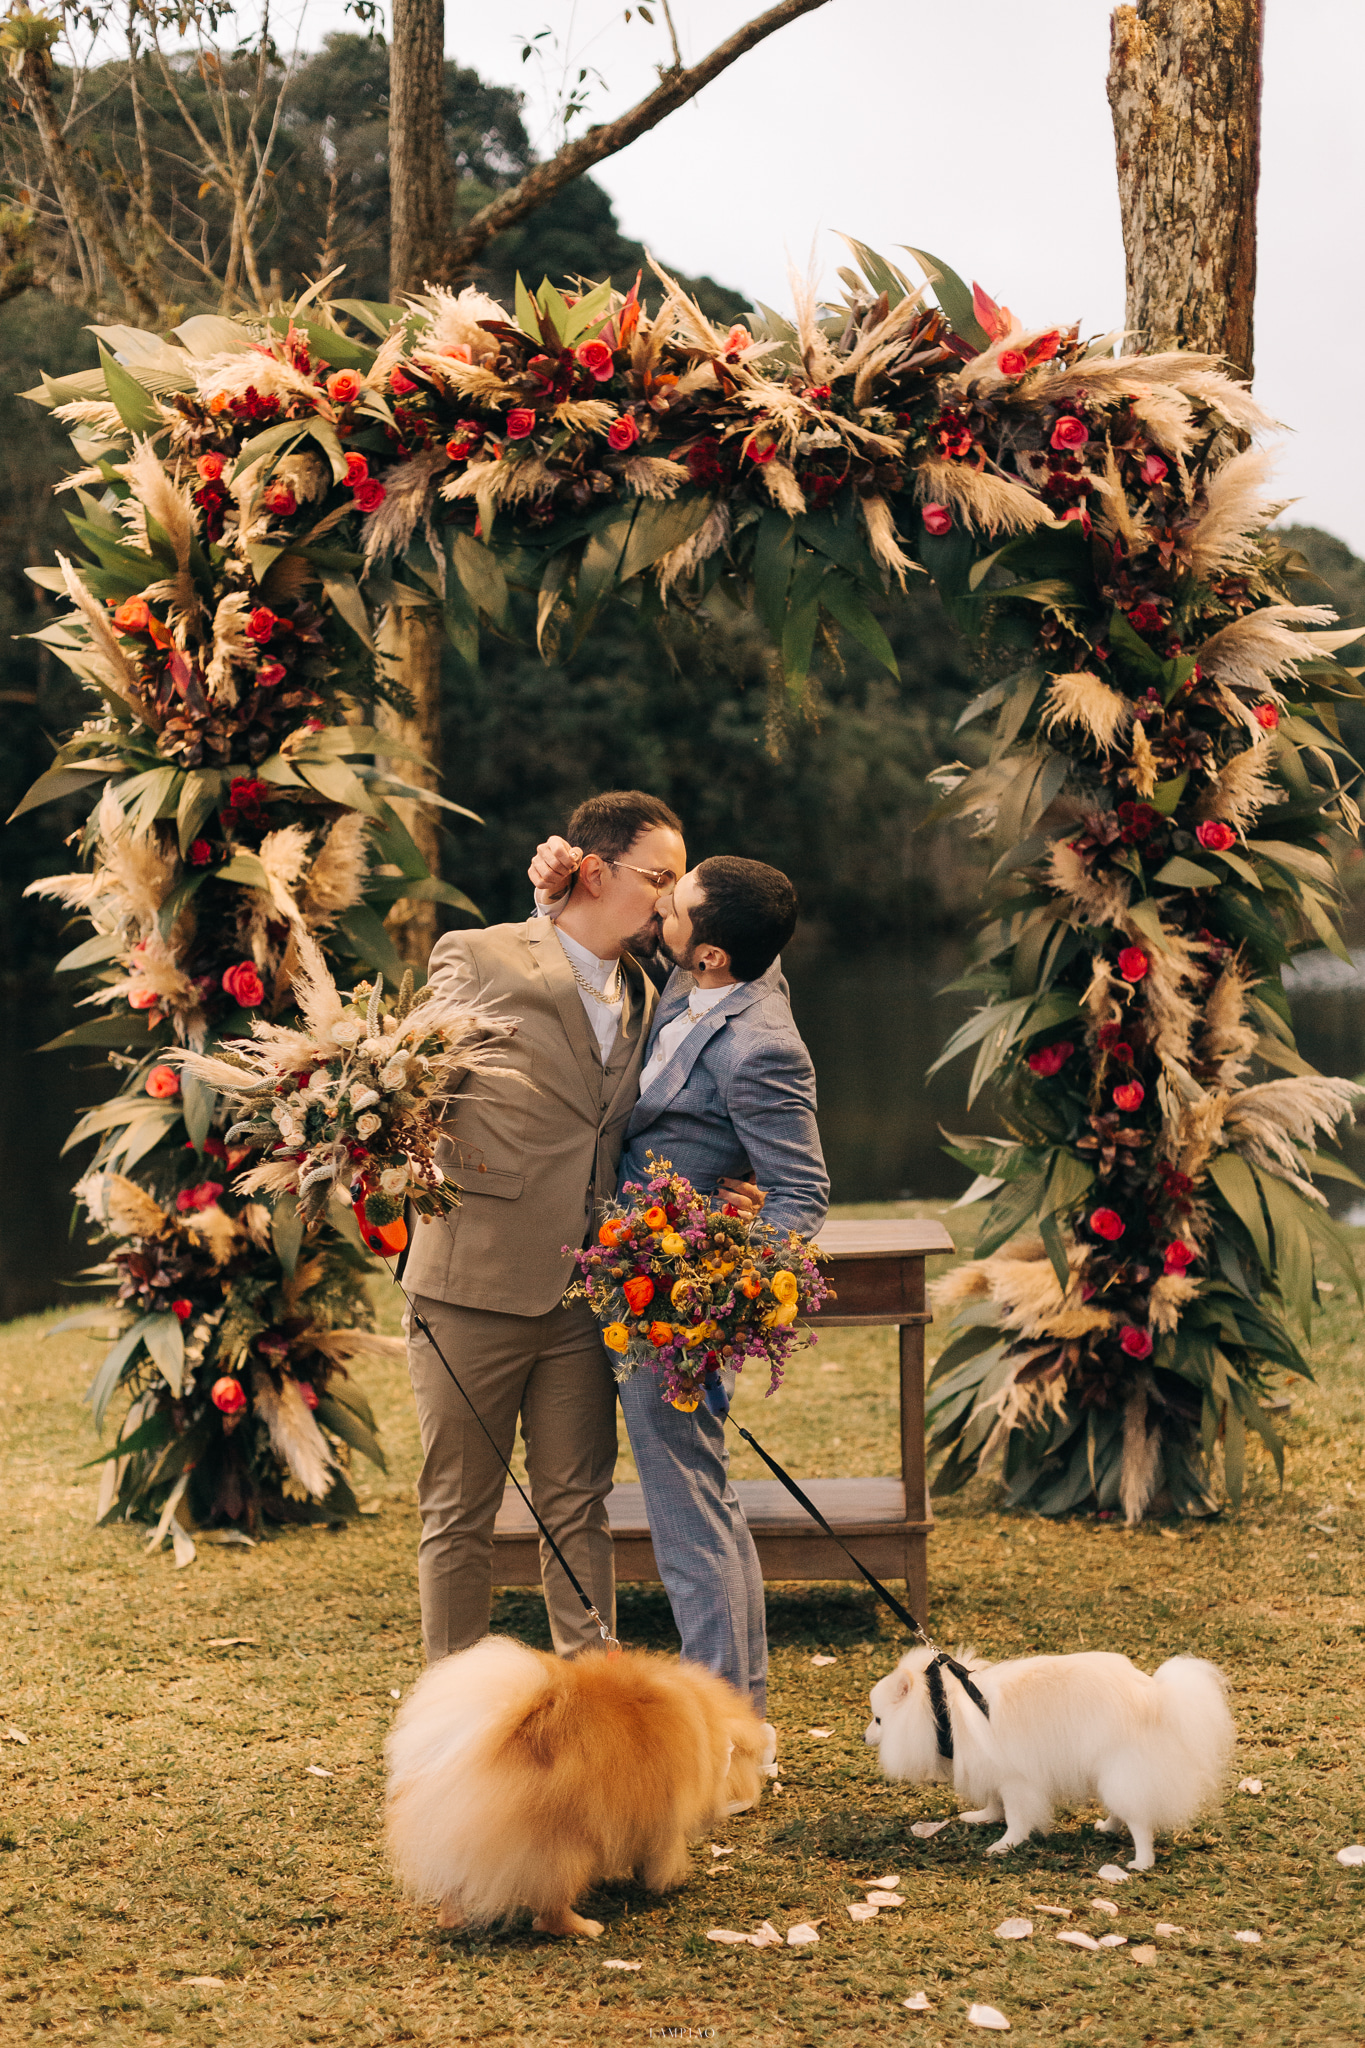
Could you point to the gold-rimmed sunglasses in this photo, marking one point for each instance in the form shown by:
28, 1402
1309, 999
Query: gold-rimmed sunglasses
659, 879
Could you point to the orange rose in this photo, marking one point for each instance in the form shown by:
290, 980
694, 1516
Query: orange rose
162, 1082
343, 387
133, 616
657, 1219
660, 1333
639, 1292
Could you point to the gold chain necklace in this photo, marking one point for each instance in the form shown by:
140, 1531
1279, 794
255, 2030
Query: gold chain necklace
611, 998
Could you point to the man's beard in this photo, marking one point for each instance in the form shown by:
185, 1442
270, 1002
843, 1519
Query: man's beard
648, 940
683, 959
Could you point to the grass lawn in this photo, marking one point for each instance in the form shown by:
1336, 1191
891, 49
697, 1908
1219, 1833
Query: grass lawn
164, 1822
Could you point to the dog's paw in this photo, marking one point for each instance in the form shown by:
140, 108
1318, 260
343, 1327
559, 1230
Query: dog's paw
1143, 1863
1000, 1848
982, 1815
1109, 1827
565, 1921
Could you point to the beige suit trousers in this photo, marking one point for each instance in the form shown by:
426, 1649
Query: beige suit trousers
551, 1370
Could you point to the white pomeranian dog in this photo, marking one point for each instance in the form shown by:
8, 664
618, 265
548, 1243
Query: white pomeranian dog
518, 1779
1063, 1731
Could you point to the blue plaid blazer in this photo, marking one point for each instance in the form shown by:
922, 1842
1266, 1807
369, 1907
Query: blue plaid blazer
737, 1096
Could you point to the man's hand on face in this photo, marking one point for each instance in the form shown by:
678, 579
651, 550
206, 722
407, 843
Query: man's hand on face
553, 868
744, 1195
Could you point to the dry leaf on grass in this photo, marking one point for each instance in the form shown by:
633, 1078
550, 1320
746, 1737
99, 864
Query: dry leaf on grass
1014, 1930
206, 1983
1076, 1938
1247, 1934
803, 1933
987, 2016
1111, 1873
614, 1963
919, 2003
1168, 1927
1251, 1785
925, 1828
727, 1934
1103, 1906
717, 1850
823, 1660
316, 1771
231, 1643
16, 1735
1144, 1954
1351, 1856
858, 1911
881, 1898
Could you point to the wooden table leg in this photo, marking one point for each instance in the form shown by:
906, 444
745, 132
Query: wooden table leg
912, 1464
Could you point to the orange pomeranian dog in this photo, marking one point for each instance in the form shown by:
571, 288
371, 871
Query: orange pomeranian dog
517, 1779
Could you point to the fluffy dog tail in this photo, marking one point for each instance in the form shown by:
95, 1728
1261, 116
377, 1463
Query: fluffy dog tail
1194, 1708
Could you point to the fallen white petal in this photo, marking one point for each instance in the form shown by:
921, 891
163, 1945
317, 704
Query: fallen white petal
880, 1898
857, 1911
207, 1983
1252, 1785
717, 1850
919, 2003
1145, 1954
316, 1771
1103, 1906
987, 2016
1014, 1930
1167, 1927
1246, 1934
18, 1735
925, 1828
1057, 1912
824, 1660
1351, 1856
394, 1693
726, 1934
820, 1734
228, 1536
230, 1643
1111, 1873
767, 1936
884, 1884
803, 1932
1113, 1941
613, 1963
1076, 1938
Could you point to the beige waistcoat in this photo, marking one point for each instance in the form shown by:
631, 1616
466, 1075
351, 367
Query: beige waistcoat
531, 1161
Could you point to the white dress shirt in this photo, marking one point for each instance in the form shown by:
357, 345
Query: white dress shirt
671, 1037
605, 1018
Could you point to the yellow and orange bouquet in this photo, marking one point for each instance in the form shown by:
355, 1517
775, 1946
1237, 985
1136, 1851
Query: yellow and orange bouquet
686, 1287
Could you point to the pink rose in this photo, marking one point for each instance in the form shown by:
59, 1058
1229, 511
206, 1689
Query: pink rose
1129, 1095
1153, 470
357, 469
1268, 716
400, 384
269, 674
162, 1083
202, 1195
210, 467
937, 519
623, 433
1136, 1343
595, 357
343, 387
228, 1396
521, 421
244, 984
1070, 432
1215, 837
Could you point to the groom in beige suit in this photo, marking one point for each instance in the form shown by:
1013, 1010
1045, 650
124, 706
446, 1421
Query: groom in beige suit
532, 1162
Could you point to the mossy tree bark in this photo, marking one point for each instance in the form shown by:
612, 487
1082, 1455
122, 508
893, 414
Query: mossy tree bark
412, 640
1185, 93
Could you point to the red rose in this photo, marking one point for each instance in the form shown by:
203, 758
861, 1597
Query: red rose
343, 386
370, 494
202, 1195
261, 625
623, 432
464, 440
1268, 716
937, 518
357, 469
163, 1083
1133, 963
183, 1309
1215, 837
1013, 362
201, 853
1077, 512
595, 357
1153, 469
210, 466
1107, 1223
1145, 617
310, 1394
1179, 1255
269, 674
1136, 1343
760, 451
1070, 432
244, 984
133, 616
229, 1396
521, 421
400, 384
1129, 1095
279, 499
1051, 1059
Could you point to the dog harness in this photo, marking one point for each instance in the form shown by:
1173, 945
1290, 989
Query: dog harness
938, 1696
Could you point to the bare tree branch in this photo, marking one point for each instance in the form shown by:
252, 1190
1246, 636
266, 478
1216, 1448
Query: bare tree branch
675, 88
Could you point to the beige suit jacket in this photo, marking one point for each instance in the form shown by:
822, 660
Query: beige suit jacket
531, 1161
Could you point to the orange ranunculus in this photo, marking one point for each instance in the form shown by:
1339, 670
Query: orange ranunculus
610, 1231
751, 1285
133, 616
639, 1292
616, 1336
660, 1333
657, 1219
785, 1286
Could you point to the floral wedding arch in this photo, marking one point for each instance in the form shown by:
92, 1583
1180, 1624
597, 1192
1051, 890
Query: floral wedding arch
1162, 797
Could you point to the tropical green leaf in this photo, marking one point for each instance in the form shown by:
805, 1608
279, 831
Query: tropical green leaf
977, 1026
1179, 873
366, 932
136, 407
244, 869
346, 1424
344, 593
60, 782
286, 1231
101, 1389
1293, 1248
1010, 1212
840, 597
338, 783
198, 1102
164, 1337
1166, 796
1236, 1183
660, 526
90, 953
481, 576
952, 295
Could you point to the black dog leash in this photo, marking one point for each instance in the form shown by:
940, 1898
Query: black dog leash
941, 1661
609, 1641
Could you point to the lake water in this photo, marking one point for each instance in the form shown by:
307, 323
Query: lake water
872, 1021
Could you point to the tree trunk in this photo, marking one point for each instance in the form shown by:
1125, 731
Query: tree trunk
419, 163
412, 641
1185, 92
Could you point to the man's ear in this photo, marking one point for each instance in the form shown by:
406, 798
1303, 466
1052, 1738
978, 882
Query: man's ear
591, 870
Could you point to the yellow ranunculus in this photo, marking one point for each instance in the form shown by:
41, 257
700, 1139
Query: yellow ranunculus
616, 1336
685, 1406
785, 1287
779, 1317
679, 1291
672, 1246
696, 1335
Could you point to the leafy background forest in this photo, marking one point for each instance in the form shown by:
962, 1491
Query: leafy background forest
838, 795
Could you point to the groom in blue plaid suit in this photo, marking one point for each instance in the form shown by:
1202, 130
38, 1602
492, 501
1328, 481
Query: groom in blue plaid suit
727, 1093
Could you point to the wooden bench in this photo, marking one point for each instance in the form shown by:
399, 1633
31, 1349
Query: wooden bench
877, 1271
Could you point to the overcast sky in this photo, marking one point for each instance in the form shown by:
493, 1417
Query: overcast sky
979, 131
